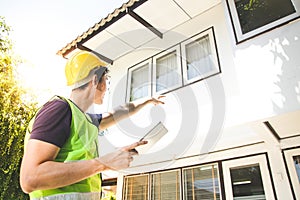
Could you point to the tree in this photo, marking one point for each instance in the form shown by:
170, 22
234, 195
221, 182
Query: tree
16, 111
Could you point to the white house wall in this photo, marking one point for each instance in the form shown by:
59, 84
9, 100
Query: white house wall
239, 103
259, 80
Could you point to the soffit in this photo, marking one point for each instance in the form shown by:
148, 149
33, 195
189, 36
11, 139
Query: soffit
119, 33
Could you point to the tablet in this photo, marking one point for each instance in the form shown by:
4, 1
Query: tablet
153, 136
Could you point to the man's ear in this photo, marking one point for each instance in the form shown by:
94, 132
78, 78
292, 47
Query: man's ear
101, 86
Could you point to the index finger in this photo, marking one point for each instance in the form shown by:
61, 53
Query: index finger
134, 145
161, 96
158, 100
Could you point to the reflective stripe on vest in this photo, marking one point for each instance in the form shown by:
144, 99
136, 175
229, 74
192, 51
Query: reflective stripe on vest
81, 145
72, 196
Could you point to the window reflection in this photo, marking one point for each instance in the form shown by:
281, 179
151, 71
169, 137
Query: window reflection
254, 14
247, 183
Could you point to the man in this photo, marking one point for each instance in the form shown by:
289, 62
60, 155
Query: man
61, 158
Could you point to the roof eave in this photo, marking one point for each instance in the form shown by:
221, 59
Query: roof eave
100, 26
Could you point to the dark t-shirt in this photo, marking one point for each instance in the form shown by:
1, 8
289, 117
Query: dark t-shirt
53, 121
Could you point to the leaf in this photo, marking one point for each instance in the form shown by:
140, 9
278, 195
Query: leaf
14, 117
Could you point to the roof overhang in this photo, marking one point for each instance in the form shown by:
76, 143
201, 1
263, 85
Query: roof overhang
133, 25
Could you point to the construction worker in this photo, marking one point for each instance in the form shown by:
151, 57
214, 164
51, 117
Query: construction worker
61, 158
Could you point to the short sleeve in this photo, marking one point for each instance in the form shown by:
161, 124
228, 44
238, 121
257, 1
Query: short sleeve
52, 123
96, 118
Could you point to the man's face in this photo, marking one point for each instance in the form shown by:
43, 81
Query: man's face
100, 90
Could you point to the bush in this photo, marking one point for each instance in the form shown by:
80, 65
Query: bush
14, 117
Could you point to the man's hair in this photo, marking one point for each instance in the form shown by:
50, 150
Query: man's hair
100, 73
100, 76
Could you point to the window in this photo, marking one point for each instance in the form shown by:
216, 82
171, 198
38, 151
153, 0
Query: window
165, 185
201, 182
139, 81
247, 178
297, 166
136, 187
246, 182
167, 70
188, 61
251, 17
199, 57
292, 158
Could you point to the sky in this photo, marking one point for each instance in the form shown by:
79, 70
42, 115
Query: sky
40, 29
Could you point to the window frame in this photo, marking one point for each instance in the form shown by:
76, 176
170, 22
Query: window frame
162, 172
124, 191
182, 76
179, 71
240, 37
244, 162
288, 156
197, 167
215, 57
136, 67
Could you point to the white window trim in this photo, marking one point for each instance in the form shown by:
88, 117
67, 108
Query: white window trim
236, 163
291, 169
177, 50
148, 61
214, 58
236, 24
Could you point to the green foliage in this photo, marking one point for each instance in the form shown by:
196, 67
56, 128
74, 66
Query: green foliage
14, 117
252, 5
109, 196
5, 43
254, 14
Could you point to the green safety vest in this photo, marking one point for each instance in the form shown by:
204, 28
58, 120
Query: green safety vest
81, 145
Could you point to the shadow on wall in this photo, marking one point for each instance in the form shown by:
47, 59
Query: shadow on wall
284, 44
286, 50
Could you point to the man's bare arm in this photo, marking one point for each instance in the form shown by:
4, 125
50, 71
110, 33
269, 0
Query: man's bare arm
125, 111
39, 171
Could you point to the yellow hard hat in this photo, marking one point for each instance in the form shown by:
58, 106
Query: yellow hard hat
79, 67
